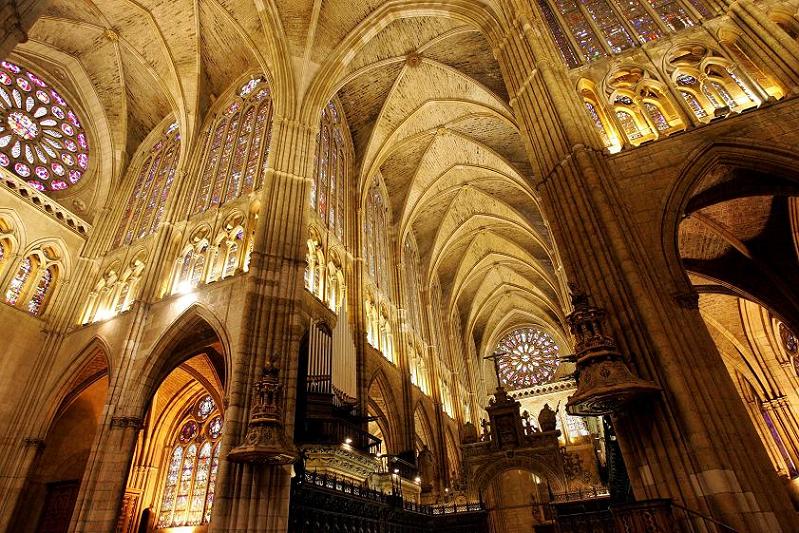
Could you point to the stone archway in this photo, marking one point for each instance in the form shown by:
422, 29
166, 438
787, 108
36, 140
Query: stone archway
515, 491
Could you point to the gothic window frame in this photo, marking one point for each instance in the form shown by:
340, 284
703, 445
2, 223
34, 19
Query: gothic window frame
589, 30
329, 188
376, 240
34, 290
413, 283
42, 140
233, 159
207, 431
114, 293
193, 264
523, 366
151, 176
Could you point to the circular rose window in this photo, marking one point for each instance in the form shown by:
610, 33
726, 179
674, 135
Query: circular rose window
527, 357
41, 138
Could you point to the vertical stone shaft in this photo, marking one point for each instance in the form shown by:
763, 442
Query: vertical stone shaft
687, 444
252, 497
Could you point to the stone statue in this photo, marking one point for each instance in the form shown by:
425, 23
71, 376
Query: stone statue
426, 468
546, 419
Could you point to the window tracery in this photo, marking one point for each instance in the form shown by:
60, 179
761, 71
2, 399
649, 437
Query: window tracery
418, 368
147, 200
237, 148
375, 237
641, 105
329, 188
190, 268
590, 29
42, 139
229, 254
596, 113
709, 82
412, 284
192, 466
34, 280
529, 358
113, 294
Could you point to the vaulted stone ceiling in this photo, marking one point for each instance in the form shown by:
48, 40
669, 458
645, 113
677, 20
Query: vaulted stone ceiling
737, 237
423, 96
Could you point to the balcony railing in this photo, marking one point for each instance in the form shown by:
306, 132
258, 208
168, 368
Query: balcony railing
338, 431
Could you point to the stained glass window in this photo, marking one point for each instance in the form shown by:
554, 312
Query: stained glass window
562, 42
628, 125
329, 187
600, 128
657, 116
528, 357
237, 148
597, 27
375, 236
204, 407
170, 485
41, 291
145, 205
190, 475
19, 280
41, 137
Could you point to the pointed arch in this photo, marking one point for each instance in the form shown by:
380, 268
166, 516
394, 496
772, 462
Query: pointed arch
381, 400
195, 329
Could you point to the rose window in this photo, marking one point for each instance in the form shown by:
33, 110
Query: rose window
41, 138
527, 357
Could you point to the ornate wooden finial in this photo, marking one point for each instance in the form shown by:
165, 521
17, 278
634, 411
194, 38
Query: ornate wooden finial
604, 383
265, 441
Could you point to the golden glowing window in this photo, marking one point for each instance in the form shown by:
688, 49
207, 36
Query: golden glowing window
191, 468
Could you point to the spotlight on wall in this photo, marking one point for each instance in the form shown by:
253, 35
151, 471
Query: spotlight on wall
396, 470
418, 479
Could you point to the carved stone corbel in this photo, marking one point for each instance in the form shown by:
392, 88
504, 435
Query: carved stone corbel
265, 441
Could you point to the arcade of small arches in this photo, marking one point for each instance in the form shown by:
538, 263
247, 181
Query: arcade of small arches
246, 248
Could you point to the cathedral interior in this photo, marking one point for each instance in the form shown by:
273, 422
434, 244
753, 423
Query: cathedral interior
399, 266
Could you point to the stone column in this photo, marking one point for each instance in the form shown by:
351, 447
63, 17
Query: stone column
253, 492
689, 443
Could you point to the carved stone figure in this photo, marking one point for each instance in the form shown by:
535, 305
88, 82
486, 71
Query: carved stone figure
546, 419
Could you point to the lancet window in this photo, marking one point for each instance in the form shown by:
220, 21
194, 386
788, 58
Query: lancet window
375, 236
315, 266
34, 280
641, 105
191, 467
155, 173
192, 264
237, 148
596, 113
328, 190
527, 357
42, 140
230, 249
113, 293
412, 285
419, 373
586, 30
7, 241
710, 83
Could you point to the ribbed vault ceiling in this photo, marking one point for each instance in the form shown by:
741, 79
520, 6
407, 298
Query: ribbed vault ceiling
423, 96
